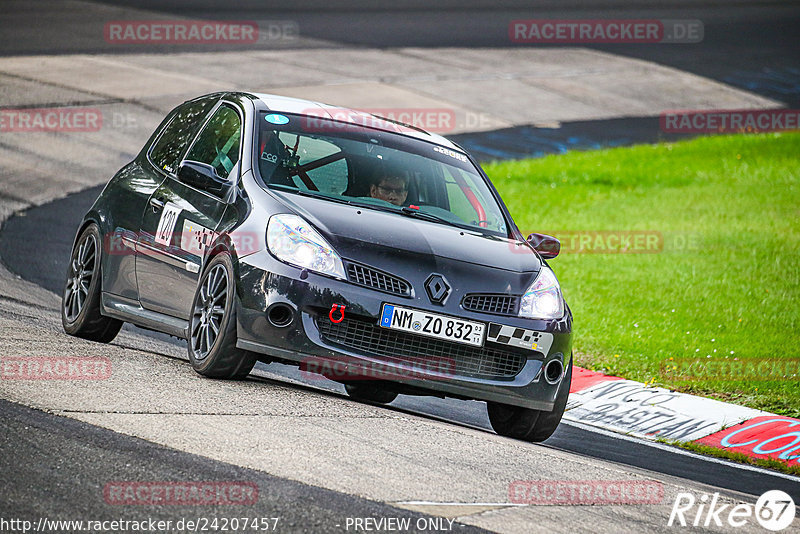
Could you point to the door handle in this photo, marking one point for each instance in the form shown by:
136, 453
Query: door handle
156, 203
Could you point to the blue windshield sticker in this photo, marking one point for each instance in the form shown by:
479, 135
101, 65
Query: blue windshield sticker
277, 119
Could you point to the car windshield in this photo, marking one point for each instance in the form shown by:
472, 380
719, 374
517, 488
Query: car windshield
342, 162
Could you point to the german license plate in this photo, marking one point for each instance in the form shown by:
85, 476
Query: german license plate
432, 324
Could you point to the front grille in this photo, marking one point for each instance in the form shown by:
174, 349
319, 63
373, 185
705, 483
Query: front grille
464, 360
488, 303
369, 277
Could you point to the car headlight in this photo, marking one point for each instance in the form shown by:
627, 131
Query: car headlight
543, 298
292, 240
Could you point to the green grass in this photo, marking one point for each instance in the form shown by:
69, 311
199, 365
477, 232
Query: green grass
723, 289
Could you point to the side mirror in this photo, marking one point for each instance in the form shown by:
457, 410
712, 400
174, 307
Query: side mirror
203, 176
547, 246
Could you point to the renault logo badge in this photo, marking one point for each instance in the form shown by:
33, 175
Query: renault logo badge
437, 288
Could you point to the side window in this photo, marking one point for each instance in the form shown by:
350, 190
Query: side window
219, 142
171, 144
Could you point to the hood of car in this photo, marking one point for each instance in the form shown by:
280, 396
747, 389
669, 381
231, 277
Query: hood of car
372, 236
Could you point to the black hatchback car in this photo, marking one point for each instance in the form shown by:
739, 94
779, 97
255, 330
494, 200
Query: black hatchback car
260, 227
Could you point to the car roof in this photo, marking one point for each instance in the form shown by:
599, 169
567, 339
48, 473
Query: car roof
300, 106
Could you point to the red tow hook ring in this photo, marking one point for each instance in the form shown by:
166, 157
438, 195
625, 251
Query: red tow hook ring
333, 309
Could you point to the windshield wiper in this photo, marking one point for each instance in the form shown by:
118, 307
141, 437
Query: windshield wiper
411, 212
404, 210
307, 193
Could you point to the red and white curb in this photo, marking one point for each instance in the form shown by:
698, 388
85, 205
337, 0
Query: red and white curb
633, 408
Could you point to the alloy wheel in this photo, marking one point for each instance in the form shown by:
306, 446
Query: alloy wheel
209, 310
82, 270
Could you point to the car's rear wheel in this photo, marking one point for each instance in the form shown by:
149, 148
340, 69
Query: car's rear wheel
80, 302
369, 391
212, 327
528, 424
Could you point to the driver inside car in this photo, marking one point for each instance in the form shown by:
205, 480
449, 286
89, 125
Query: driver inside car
393, 188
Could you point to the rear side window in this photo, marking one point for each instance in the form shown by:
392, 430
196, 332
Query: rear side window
218, 144
171, 144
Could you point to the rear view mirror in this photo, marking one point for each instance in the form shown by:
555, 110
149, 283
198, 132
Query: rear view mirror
547, 246
203, 176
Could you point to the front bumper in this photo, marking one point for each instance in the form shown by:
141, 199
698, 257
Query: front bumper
499, 372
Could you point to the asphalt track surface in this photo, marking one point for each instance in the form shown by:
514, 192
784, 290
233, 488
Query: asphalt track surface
49, 463
87, 457
752, 45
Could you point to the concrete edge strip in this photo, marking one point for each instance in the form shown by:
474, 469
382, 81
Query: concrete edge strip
636, 409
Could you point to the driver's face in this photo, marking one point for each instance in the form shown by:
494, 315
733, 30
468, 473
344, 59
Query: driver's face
390, 189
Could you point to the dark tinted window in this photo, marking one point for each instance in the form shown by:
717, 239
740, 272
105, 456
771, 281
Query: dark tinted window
218, 143
167, 151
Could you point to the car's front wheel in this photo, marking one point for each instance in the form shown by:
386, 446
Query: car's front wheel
527, 424
80, 302
212, 327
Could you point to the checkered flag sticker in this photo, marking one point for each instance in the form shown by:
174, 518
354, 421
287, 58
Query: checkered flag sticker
196, 238
520, 337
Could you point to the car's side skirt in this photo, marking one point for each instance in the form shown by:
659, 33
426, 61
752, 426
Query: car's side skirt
131, 311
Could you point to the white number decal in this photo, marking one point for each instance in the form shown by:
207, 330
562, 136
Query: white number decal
167, 223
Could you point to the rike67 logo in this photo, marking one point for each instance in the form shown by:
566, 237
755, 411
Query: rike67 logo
774, 510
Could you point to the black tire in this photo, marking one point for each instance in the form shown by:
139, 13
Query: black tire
214, 354
527, 424
369, 391
80, 300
